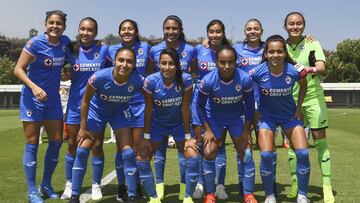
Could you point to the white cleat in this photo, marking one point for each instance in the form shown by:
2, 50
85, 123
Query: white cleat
221, 193
199, 191
111, 140
96, 192
270, 199
302, 199
171, 142
67, 191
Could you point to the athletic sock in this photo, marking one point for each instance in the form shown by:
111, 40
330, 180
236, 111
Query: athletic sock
324, 160
303, 170
249, 176
240, 168
192, 175
201, 180
182, 166
274, 165
130, 171
209, 175
119, 167
292, 164
29, 163
220, 163
79, 169
159, 162
266, 171
98, 168
147, 177
69, 163
51, 160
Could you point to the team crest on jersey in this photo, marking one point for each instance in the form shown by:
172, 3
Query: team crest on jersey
92, 79
140, 51
203, 65
288, 79
183, 54
64, 48
29, 112
244, 61
76, 67
238, 87
265, 91
103, 97
217, 100
48, 62
177, 88
157, 102
202, 83
96, 55
29, 43
302, 48
130, 88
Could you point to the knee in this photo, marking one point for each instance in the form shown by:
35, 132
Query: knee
210, 151
267, 157
128, 154
302, 154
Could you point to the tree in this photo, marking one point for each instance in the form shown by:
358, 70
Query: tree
111, 39
33, 32
7, 67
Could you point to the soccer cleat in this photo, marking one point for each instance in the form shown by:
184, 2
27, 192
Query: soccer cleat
96, 192
67, 191
111, 140
328, 194
74, 199
139, 192
182, 191
34, 197
132, 199
48, 191
199, 191
188, 200
293, 190
221, 193
160, 187
285, 144
210, 198
270, 199
171, 142
121, 193
154, 200
250, 198
302, 199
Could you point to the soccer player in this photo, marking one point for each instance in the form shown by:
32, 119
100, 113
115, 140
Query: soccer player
87, 55
167, 96
276, 77
173, 38
42, 58
206, 55
106, 100
129, 36
311, 55
225, 90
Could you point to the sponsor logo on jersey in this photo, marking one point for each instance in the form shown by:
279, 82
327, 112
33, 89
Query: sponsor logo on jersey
29, 112
157, 102
140, 51
244, 61
130, 88
265, 91
96, 55
48, 62
217, 100
76, 67
288, 79
103, 97
203, 65
183, 54
238, 87
177, 88
107, 86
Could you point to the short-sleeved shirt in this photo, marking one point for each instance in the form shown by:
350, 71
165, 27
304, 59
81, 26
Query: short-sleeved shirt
206, 59
276, 100
45, 71
301, 54
186, 55
167, 100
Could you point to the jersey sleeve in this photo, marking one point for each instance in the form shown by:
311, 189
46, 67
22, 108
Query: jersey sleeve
151, 54
188, 82
319, 53
294, 72
204, 87
94, 81
148, 85
31, 47
247, 82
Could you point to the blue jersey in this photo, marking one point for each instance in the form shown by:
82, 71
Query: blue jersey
206, 59
167, 100
247, 57
142, 55
276, 100
186, 55
45, 72
225, 99
111, 97
84, 65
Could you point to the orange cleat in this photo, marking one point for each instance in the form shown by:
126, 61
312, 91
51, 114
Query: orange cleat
250, 198
210, 198
285, 144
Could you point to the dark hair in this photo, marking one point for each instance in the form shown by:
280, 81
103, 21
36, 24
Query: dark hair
75, 46
225, 47
134, 24
175, 57
294, 13
277, 38
56, 12
253, 20
126, 49
179, 22
214, 22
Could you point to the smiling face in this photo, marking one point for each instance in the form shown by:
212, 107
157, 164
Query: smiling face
54, 26
215, 34
295, 25
275, 54
87, 32
167, 67
253, 31
226, 62
171, 31
125, 62
128, 33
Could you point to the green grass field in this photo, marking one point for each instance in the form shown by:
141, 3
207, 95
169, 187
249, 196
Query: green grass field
343, 139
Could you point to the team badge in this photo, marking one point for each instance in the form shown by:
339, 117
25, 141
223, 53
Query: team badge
183, 54
76, 67
265, 91
140, 51
130, 88
302, 48
238, 87
103, 97
177, 88
48, 62
202, 84
92, 79
217, 100
64, 48
203, 65
157, 102
29, 112
288, 80
244, 61
96, 55
29, 43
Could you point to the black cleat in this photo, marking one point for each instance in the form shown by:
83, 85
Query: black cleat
74, 199
139, 192
132, 199
121, 194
